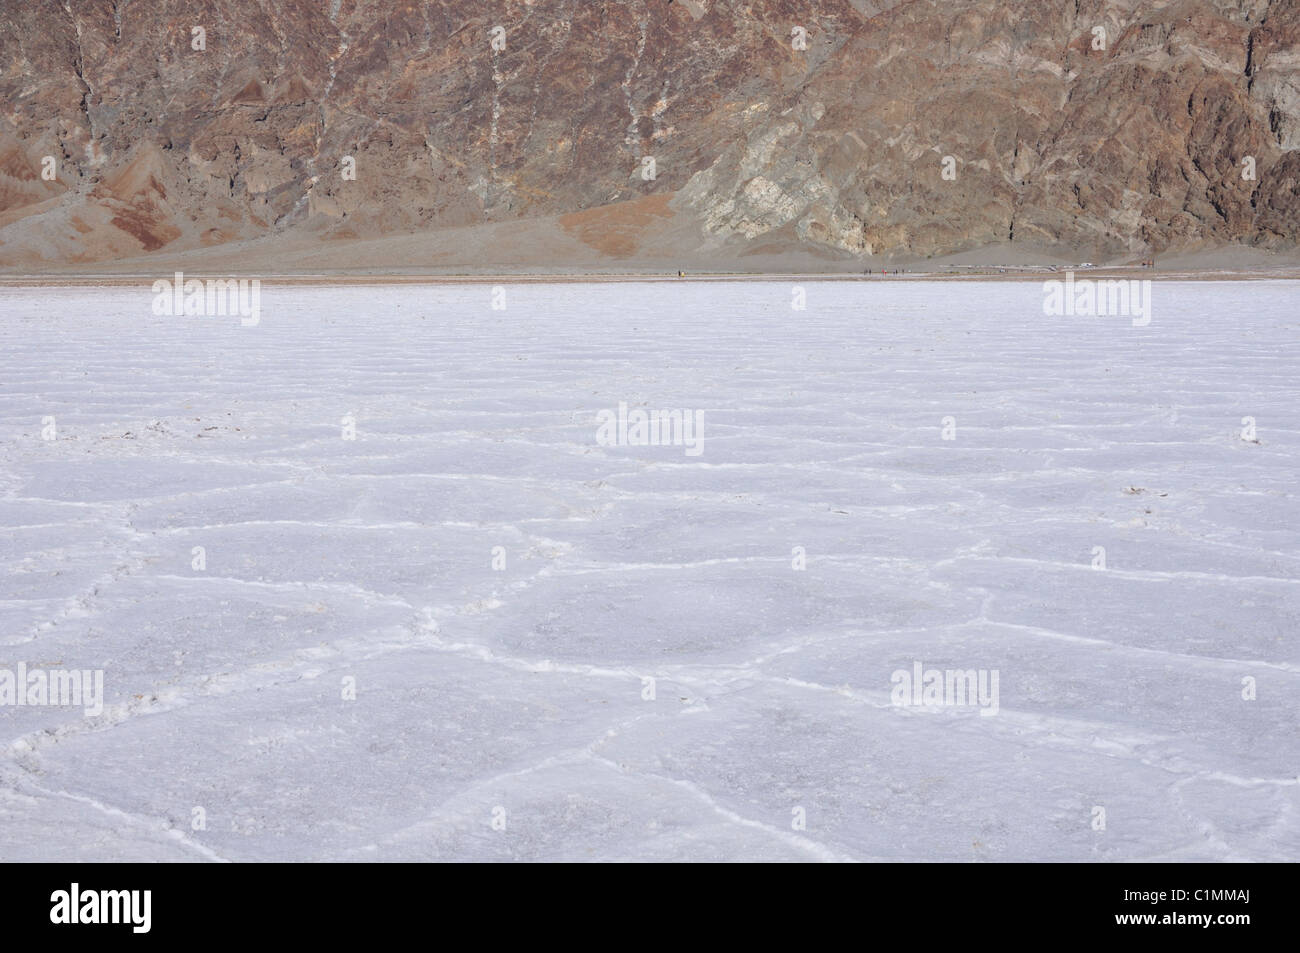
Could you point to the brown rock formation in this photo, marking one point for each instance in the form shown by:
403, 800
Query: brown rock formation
1103, 128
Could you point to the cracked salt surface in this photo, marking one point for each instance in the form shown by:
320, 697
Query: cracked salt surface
522, 689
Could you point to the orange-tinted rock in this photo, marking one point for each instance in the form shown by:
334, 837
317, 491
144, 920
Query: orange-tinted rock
1136, 147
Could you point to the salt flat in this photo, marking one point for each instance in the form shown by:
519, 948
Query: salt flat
644, 673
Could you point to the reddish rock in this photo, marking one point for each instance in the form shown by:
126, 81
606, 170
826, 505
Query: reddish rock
841, 144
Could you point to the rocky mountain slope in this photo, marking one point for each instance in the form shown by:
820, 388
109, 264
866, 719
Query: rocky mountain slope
850, 128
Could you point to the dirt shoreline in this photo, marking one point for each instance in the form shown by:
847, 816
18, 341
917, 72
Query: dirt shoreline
120, 280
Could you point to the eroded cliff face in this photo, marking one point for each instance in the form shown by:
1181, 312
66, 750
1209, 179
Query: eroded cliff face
1110, 127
